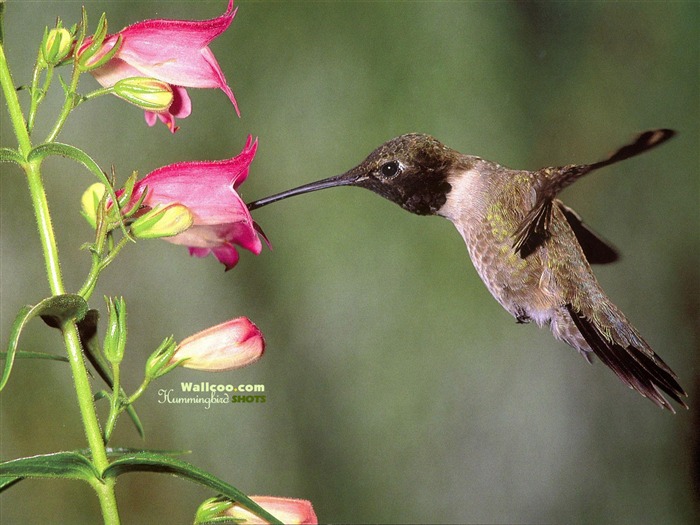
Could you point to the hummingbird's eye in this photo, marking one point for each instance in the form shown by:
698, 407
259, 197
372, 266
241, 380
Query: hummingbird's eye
391, 168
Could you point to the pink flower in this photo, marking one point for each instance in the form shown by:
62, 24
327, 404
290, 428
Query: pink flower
226, 346
287, 510
173, 51
207, 189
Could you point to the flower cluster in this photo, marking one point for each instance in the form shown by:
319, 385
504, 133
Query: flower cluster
195, 204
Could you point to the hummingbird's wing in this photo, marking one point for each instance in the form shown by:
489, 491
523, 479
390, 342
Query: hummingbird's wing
534, 228
596, 249
636, 364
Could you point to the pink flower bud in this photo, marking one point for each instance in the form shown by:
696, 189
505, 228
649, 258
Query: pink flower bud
287, 510
226, 346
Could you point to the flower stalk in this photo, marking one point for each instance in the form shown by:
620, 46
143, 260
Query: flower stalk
105, 491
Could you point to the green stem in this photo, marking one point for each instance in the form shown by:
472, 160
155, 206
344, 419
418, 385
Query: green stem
139, 391
99, 263
13, 106
69, 104
34, 93
115, 405
105, 491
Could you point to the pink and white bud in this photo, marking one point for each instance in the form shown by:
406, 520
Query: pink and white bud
287, 510
226, 346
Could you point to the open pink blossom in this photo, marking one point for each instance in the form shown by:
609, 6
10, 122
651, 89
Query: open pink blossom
226, 346
173, 51
287, 510
208, 190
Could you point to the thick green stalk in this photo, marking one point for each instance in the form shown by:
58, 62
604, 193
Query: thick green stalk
105, 491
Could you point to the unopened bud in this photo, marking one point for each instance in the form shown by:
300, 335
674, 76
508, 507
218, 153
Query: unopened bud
212, 509
147, 93
162, 221
115, 338
56, 46
226, 346
158, 364
287, 510
90, 201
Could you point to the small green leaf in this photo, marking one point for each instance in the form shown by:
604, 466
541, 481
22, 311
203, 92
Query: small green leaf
11, 155
54, 310
20, 354
57, 310
7, 481
113, 452
68, 465
154, 462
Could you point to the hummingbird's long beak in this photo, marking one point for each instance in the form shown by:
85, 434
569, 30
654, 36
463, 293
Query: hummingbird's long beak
346, 179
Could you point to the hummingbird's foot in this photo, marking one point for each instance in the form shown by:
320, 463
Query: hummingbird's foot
522, 317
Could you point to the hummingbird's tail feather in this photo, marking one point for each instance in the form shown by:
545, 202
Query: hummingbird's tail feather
635, 364
642, 142
533, 230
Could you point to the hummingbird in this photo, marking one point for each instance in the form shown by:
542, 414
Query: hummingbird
533, 253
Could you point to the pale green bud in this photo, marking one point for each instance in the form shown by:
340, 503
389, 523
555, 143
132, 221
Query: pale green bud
90, 202
56, 45
211, 509
162, 221
115, 338
147, 93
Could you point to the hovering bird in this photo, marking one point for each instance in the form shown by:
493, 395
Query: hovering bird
532, 251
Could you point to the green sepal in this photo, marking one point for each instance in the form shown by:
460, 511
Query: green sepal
209, 510
55, 311
65, 150
11, 155
155, 462
67, 465
87, 328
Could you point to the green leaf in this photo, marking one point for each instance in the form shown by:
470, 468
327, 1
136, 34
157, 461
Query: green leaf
87, 328
113, 452
57, 310
54, 310
11, 155
154, 462
20, 354
7, 481
67, 465
65, 150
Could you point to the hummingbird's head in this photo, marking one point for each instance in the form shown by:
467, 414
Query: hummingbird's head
410, 170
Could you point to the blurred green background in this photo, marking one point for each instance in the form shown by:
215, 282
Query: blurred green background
397, 389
